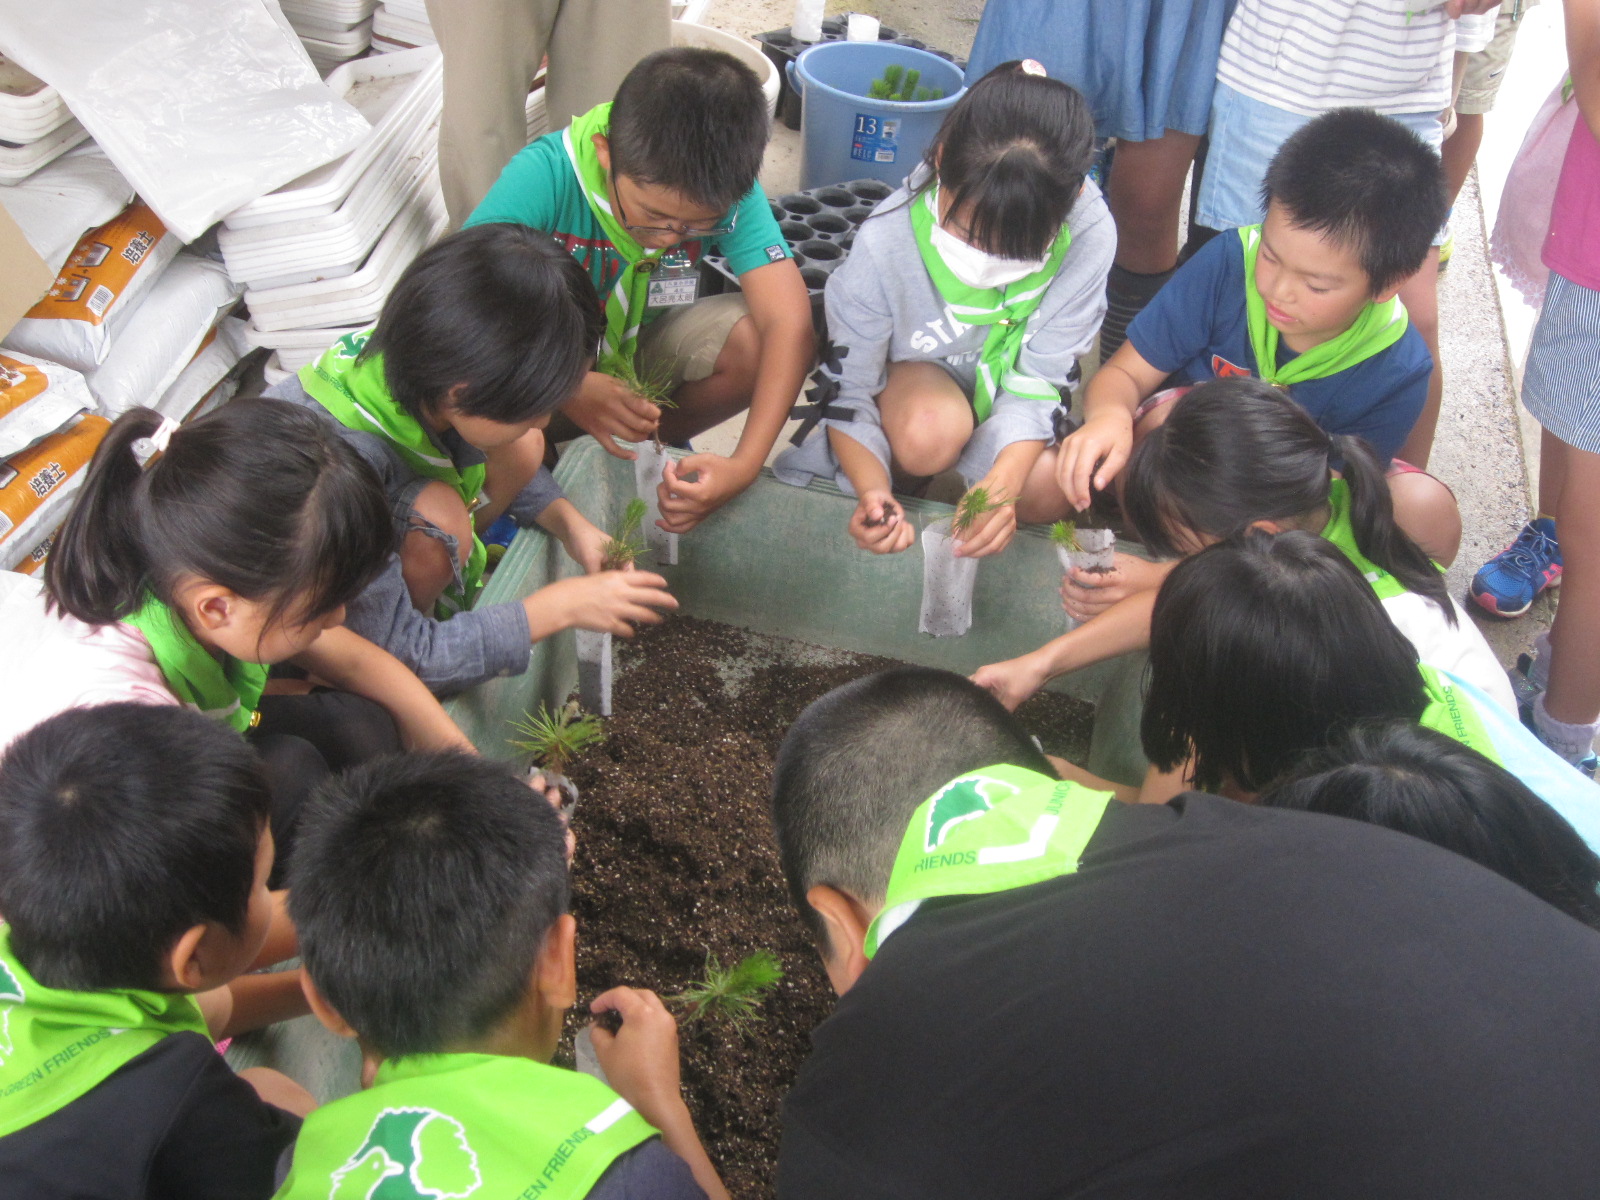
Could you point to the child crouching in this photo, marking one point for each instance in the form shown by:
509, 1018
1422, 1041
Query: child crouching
134, 853
430, 893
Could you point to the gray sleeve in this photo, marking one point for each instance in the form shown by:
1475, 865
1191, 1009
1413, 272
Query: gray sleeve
448, 656
393, 470
647, 1172
540, 493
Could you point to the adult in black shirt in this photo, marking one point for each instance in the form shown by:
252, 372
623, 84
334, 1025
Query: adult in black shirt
1221, 1001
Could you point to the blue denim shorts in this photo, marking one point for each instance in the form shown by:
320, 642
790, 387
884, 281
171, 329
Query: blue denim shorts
1245, 134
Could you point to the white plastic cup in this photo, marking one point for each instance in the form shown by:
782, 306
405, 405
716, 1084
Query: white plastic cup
1097, 550
649, 469
807, 23
594, 671
947, 583
861, 27
584, 1058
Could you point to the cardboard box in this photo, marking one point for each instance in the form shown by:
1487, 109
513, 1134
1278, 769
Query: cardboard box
24, 277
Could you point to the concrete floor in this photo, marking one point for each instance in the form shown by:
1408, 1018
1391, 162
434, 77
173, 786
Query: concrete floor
1486, 449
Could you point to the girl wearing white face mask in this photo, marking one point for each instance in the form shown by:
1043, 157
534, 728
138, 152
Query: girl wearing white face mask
957, 320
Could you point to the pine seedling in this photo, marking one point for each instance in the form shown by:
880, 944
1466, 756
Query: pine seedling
892, 75
909, 88
655, 385
973, 505
556, 738
734, 993
1065, 535
626, 543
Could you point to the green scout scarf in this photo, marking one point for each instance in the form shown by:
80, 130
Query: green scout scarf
1342, 534
436, 1125
56, 1045
991, 831
1005, 310
1376, 328
1451, 712
358, 397
628, 300
229, 690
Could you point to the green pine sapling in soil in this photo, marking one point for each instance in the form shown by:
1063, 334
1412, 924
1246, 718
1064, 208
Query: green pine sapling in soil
972, 505
1093, 551
732, 993
556, 738
900, 85
626, 543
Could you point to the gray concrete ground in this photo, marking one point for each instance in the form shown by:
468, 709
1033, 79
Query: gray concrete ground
1483, 450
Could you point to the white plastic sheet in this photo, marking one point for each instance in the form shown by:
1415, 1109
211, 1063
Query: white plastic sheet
203, 104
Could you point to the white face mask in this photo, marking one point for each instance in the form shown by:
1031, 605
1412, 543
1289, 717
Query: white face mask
977, 269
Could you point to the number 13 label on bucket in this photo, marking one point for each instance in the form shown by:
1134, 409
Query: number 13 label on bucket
874, 139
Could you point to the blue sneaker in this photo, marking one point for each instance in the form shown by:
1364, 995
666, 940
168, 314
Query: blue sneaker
1506, 585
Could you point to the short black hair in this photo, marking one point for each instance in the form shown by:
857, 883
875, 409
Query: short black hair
422, 887
1368, 183
122, 826
693, 120
1262, 646
500, 307
1014, 151
1422, 782
856, 763
1239, 450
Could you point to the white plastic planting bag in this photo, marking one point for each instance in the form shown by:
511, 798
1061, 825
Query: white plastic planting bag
162, 335
202, 104
594, 671
204, 382
947, 583
649, 469
97, 290
36, 399
56, 204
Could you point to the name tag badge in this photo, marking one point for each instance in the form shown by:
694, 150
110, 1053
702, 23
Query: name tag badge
673, 287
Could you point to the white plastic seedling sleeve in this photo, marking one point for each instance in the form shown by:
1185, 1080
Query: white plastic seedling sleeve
946, 584
649, 469
594, 671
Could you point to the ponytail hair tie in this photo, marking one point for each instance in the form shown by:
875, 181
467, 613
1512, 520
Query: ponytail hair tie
1032, 66
146, 448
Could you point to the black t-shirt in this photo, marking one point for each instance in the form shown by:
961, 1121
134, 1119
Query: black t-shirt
173, 1123
1225, 1001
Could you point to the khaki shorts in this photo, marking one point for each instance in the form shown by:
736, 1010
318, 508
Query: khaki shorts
689, 339
1487, 67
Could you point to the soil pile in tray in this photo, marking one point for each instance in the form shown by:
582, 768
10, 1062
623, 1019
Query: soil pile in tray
675, 857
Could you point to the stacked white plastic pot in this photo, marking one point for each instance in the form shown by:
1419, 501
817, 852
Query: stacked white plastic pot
401, 25
35, 125
318, 256
332, 31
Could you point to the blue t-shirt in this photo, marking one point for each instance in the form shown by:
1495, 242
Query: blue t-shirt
1196, 325
538, 188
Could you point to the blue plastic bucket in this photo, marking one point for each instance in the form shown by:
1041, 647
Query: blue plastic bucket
847, 136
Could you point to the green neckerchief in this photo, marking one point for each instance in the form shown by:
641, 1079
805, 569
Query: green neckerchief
357, 394
1376, 328
480, 1125
56, 1045
989, 831
629, 296
1005, 310
1342, 534
1451, 713
230, 689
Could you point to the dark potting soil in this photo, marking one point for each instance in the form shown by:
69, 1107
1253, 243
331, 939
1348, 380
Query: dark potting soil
675, 857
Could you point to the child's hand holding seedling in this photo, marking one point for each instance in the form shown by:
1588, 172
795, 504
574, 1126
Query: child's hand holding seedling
608, 602
1087, 594
985, 521
879, 524
641, 1063
607, 409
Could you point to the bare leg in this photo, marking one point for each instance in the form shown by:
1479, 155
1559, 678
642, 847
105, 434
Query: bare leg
1042, 500
724, 393
1460, 151
508, 471
1145, 194
424, 561
278, 1089
1574, 695
1428, 513
1420, 295
926, 417
262, 1000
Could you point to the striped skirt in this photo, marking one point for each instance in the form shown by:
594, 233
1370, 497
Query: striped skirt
1561, 386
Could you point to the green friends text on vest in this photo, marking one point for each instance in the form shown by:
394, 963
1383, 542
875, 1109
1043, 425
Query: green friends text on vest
988, 831
454, 1126
353, 389
56, 1045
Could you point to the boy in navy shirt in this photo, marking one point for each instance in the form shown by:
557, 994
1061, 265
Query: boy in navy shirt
1306, 300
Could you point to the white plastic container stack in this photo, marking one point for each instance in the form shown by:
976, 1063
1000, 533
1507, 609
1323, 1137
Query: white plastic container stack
332, 31
35, 125
318, 256
401, 25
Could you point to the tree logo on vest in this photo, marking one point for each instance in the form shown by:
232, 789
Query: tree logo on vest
10, 994
961, 800
410, 1154
352, 343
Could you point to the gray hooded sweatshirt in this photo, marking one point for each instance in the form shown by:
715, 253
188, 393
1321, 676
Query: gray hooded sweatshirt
883, 307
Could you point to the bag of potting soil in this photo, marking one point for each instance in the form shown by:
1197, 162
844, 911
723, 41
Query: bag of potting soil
204, 382
37, 397
156, 344
36, 486
32, 562
97, 291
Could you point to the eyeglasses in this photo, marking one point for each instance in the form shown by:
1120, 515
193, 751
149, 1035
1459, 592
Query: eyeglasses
677, 231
